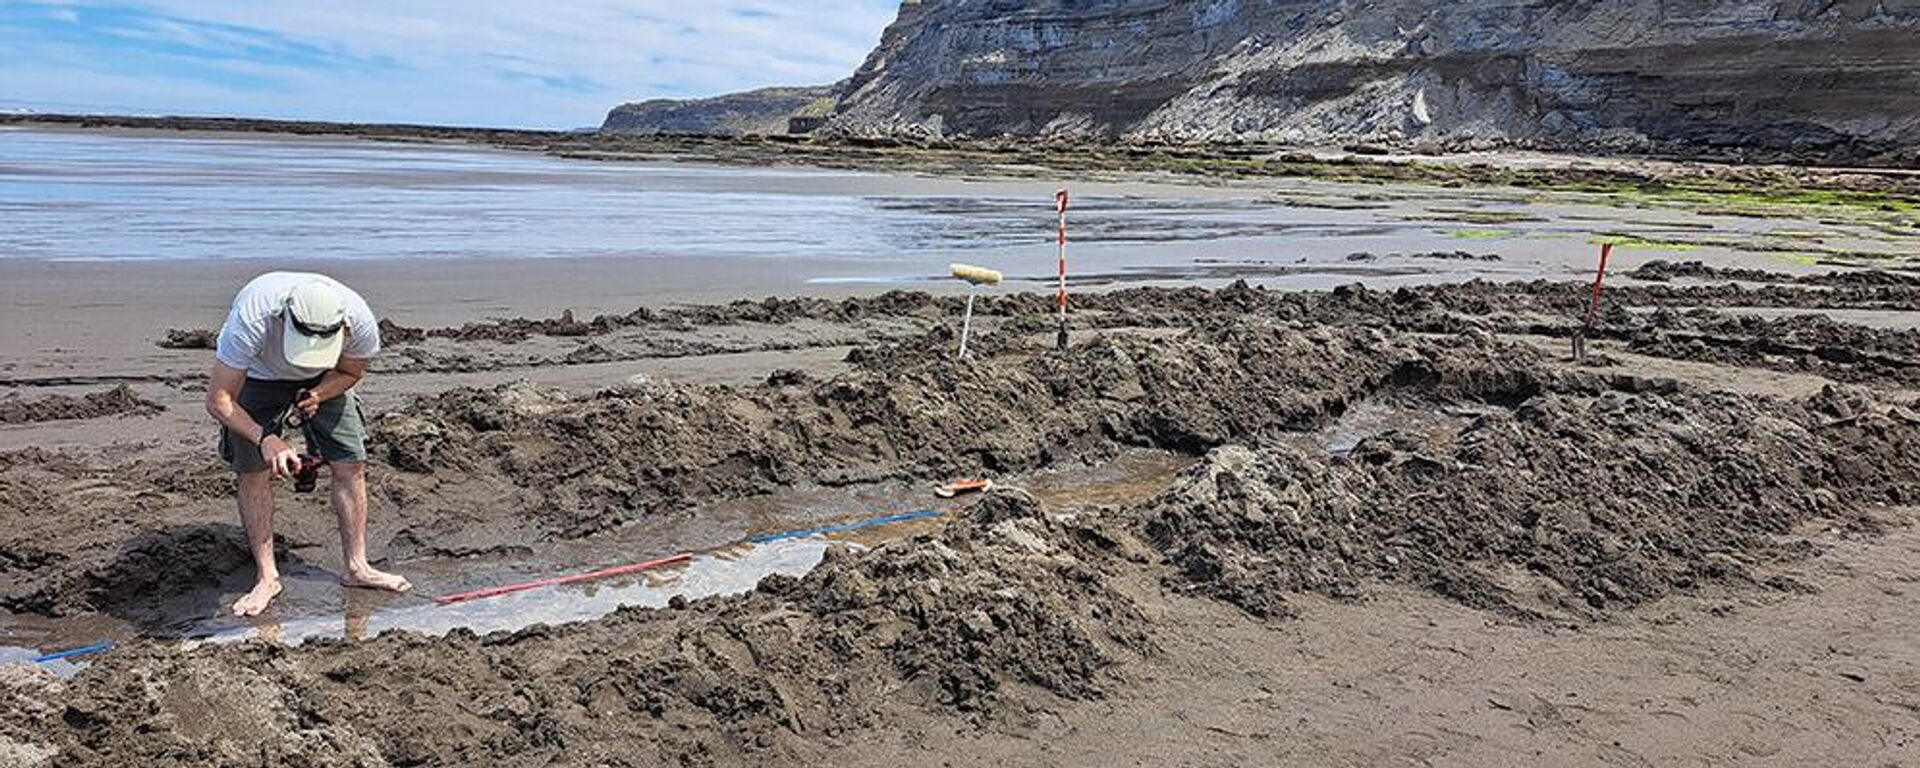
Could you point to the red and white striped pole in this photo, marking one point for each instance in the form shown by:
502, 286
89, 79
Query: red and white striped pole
1060, 204
1593, 307
1599, 276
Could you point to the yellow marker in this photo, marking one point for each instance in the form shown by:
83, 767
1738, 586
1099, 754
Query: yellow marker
975, 277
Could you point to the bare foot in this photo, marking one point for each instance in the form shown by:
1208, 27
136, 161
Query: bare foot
369, 578
252, 603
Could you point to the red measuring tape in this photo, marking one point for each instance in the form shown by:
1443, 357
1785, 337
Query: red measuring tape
558, 580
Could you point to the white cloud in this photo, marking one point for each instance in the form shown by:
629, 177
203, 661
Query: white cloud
549, 64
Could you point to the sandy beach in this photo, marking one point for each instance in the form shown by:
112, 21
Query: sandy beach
962, 383
1333, 503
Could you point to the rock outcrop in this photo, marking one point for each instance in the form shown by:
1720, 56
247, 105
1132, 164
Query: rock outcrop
762, 112
1814, 80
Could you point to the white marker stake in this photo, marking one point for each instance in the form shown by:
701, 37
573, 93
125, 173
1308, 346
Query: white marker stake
975, 277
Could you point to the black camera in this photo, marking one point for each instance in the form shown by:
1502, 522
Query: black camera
306, 477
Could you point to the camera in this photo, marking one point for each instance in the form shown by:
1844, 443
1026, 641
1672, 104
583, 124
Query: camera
306, 477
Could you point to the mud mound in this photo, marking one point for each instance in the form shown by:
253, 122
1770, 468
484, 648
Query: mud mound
993, 622
1453, 256
580, 464
195, 339
85, 531
171, 562
1428, 255
1576, 502
118, 401
1798, 343
771, 310
1536, 307
25, 561
1663, 271
30, 707
1681, 324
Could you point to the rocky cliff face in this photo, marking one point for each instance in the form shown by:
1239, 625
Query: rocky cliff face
763, 112
1823, 79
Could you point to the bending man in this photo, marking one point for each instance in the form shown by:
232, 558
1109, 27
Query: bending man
290, 332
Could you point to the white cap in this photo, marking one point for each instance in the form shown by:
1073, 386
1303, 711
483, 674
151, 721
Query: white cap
316, 322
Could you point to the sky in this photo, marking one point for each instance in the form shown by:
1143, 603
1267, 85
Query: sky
534, 64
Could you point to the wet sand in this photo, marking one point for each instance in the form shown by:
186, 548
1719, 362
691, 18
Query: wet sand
1404, 678
1240, 524
471, 489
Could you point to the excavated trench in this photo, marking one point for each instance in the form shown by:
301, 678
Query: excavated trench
1239, 445
720, 535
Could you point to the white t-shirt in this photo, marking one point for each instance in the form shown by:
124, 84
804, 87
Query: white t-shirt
251, 337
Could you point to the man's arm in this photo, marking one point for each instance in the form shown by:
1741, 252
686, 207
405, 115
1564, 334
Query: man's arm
344, 376
223, 403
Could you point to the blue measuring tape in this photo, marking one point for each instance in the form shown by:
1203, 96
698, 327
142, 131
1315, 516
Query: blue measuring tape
853, 526
72, 652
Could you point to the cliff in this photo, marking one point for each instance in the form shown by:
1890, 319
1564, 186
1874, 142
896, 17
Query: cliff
1813, 79
763, 112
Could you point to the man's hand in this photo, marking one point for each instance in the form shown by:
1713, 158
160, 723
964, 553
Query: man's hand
343, 377
308, 405
279, 456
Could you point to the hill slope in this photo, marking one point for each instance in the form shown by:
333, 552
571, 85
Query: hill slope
1826, 80
764, 111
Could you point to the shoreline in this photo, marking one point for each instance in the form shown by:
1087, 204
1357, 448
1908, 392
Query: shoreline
1736, 176
102, 317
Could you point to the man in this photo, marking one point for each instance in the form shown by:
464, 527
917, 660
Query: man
288, 333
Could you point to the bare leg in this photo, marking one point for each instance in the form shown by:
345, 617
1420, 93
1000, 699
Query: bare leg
255, 490
349, 485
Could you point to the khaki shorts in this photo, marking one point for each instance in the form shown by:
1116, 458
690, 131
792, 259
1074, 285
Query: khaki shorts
338, 432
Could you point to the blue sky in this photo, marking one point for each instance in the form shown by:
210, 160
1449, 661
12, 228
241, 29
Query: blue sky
551, 64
